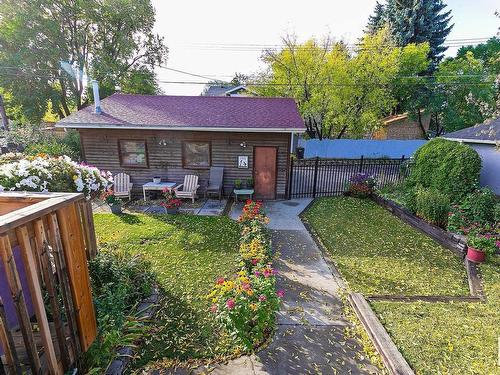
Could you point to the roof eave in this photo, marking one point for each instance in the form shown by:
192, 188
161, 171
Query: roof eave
179, 128
469, 140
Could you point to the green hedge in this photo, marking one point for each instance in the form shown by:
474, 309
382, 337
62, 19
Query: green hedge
450, 167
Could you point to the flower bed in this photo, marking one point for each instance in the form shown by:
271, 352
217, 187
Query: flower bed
42, 173
245, 304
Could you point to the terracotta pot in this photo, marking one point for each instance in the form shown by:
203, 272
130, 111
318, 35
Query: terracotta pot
475, 255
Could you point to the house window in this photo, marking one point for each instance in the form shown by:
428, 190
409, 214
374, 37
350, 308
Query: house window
133, 153
196, 154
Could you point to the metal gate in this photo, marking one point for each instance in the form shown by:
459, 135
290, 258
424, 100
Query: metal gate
327, 177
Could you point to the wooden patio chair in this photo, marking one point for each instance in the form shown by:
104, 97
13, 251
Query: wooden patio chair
188, 188
122, 185
215, 181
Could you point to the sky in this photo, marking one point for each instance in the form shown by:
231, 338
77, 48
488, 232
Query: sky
217, 38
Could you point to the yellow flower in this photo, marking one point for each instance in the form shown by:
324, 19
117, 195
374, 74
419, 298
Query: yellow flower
253, 306
250, 292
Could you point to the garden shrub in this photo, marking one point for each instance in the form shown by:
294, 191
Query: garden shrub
51, 148
477, 210
245, 304
43, 173
432, 206
361, 185
33, 139
451, 167
119, 282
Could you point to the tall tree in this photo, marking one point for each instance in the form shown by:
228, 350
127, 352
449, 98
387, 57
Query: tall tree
65, 40
465, 94
377, 20
419, 21
340, 94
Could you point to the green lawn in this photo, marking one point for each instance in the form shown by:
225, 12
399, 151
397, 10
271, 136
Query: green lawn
188, 253
377, 253
453, 338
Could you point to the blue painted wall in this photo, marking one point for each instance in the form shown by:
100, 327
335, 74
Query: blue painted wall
490, 171
355, 148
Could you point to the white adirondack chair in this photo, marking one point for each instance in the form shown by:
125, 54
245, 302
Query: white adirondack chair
188, 188
122, 185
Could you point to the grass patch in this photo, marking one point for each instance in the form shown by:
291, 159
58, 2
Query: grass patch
377, 253
448, 338
187, 253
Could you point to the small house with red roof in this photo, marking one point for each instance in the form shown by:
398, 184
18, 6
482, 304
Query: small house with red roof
173, 136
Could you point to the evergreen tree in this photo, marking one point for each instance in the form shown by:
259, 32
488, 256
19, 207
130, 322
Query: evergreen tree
418, 21
377, 20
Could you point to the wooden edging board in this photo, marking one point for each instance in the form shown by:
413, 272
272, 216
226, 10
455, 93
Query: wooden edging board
392, 358
451, 241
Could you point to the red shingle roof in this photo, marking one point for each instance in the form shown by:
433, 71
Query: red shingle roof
190, 112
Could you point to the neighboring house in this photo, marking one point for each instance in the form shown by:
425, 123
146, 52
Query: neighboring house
402, 127
172, 136
240, 90
485, 139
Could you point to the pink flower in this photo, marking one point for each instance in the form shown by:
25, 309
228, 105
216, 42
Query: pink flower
213, 308
280, 293
245, 286
267, 272
498, 243
262, 298
220, 280
257, 273
230, 304
255, 261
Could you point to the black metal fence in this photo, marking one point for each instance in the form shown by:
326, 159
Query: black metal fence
326, 177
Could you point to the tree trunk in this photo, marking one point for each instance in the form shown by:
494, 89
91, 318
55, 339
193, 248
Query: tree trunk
424, 132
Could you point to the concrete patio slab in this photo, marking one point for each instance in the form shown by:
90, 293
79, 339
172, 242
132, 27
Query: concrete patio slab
213, 207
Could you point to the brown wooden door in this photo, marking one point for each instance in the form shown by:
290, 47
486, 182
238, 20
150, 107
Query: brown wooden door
264, 170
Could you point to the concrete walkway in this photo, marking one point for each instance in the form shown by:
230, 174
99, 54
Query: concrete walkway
310, 334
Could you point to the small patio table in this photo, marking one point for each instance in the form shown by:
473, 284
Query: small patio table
248, 192
156, 186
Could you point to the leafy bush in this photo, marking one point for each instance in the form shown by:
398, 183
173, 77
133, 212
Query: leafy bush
477, 210
61, 174
51, 148
33, 139
432, 206
361, 185
119, 282
487, 243
451, 167
245, 305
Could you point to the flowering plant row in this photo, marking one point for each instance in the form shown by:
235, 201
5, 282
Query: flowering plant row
246, 303
42, 173
361, 185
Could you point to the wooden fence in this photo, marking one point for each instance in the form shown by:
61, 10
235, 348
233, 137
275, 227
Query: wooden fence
47, 317
327, 177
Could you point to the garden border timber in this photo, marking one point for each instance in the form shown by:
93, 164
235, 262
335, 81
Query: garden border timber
454, 242
391, 356
124, 355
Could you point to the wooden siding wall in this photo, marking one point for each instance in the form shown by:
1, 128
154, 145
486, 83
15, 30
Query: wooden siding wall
100, 147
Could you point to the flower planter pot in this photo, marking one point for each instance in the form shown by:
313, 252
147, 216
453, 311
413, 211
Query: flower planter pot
172, 211
475, 255
116, 209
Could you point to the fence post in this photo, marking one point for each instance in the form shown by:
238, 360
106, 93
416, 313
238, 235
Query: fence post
361, 164
290, 180
316, 162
